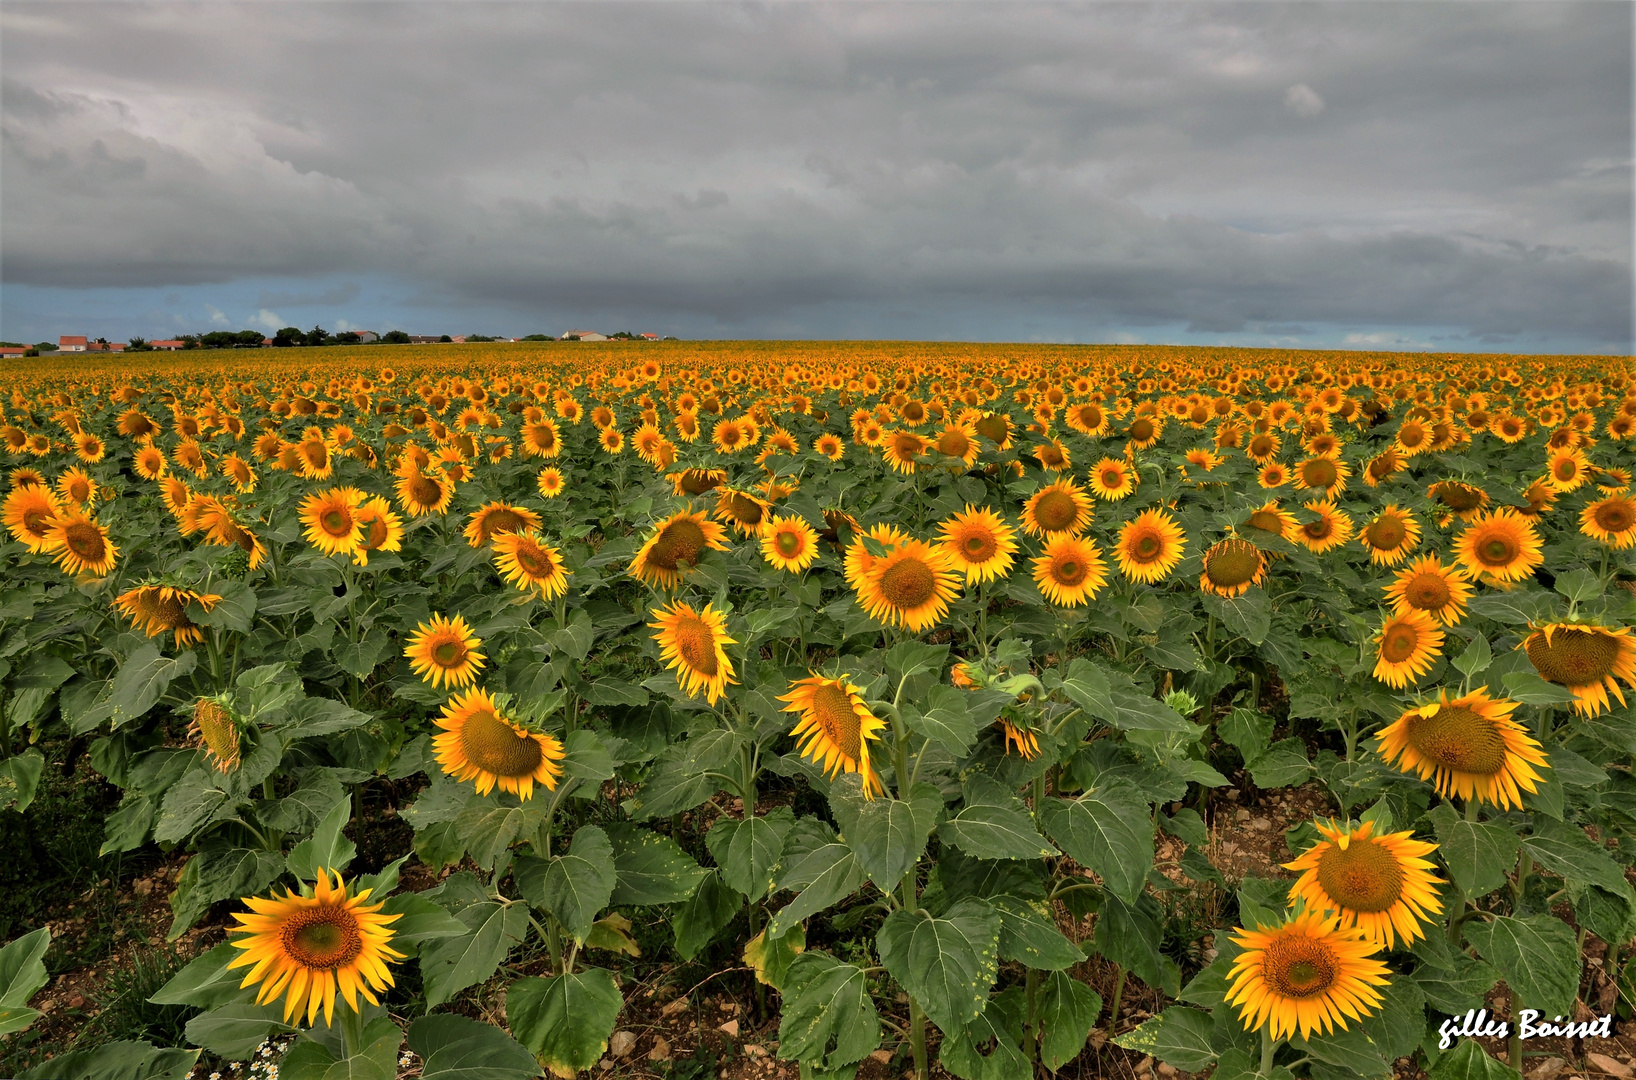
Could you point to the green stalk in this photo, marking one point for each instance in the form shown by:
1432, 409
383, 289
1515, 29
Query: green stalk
1118, 992
352, 1030
1268, 1049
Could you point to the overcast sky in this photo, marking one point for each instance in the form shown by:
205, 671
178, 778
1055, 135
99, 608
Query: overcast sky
1452, 176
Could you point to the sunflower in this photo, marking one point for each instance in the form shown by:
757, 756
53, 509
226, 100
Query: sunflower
1469, 747
1270, 520
859, 560
836, 727
1052, 456
312, 458
960, 442
1087, 418
444, 651
1062, 507
1611, 521
1587, 659
692, 643
675, 547
1231, 566
420, 494
728, 436
1567, 469
331, 520
910, 586
528, 562
1325, 474
1329, 530
1382, 467
76, 486
611, 440
1070, 571
830, 446
29, 513
980, 544
1112, 479
746, 512
81, 545
1305, 975
1427, 585
158, 608
218, 733
479, 743
88, 448
1144, 431
1406, 647
902, 447
1382, 885
1150, 546
1272, 475
379, 530
549, 482
1465, 500
1026, 742
541, 439
308, 948
789, 544
996, 428
499, 517
1502, 545
1391, 536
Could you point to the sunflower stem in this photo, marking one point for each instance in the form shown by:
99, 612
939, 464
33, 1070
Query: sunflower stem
1113, 1010
352, 1030
1269, 1047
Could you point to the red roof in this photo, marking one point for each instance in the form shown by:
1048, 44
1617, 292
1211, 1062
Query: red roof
70, 341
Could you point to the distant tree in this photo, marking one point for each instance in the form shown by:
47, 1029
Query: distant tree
395, 337
347, 337
623, 335
137, 344
251, 338
570, 337
671, 339
47, 346
445, 339
288, 336
539, 337
317, 336
14, 345
480, 337
189, 341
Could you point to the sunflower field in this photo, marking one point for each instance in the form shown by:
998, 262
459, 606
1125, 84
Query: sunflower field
917, 694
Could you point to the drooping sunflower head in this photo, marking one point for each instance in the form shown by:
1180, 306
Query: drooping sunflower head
219, 733
996, 428
1390, 536
693, 643
1306, 975
1464, 500
1501, 545
480, 743
835, 726
1611, 521
1427, 585
444, 652
1383, 885
1468, 747
528, 562
1270, 520
1061, 507
980, 544
1231, 566
676, 547
421, 494
1071, 570
789, 544
1150, 545
29, 512
910, 586
1408, 644
158, 608
379, 529
81, 545
747, 513
499, 517
1587, 659
1382, 467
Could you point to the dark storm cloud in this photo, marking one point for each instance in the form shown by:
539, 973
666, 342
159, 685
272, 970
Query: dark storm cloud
1227, 167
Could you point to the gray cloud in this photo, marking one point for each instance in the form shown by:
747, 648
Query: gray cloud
1226, 167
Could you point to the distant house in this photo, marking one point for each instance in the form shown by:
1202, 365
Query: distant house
423, 339
71, 344
266, 341
650, 337
366, 336
105, 346
8, 350
168, 346
458, 339
584, 335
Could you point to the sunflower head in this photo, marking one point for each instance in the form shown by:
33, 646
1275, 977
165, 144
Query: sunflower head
979, 543
1305, 975
480, 743
499, 517
444, 651
693, 643
81, 545
676, 547
1408, 644
1390, 536
1468, 746
1588, 659
910, 586
1383, 885
1061, 507
789, 544
1611, 521
220, 733
835, 726
1231, 566
1070, 571
1501, 546
1150, 545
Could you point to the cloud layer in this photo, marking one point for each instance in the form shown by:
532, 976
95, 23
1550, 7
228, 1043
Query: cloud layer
1218, 168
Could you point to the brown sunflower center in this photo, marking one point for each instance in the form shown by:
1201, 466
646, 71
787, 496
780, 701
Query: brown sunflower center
979, 545
953, 444
1456, 738
1495, 550
1365, 876
1112, 479
907, 584
1574, 657
217, 729
1412, 435
1069, 570
534, 560
502, 521
1142, 430
336, 521
1428, 592
696, 644
424, 491
1050, 455
680, 541
1146, 547
449, 653
832, 709
1566, 469
1381, 467
1399, 643
496, 747
992, 428
378, 533
85, 540
1055, 511
1459, 497
316, 454
1320, 529
1386, 533
1299, 967
788, 543
744, 511
321, 938
1232, 564
1615, 516
1319, 473
1261, 446
1266, 521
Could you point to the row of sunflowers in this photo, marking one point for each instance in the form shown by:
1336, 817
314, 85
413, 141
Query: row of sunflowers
885, 671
